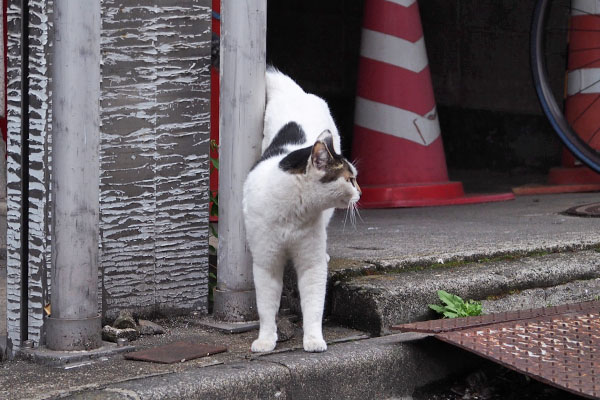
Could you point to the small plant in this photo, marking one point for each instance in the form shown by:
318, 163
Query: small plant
455, 306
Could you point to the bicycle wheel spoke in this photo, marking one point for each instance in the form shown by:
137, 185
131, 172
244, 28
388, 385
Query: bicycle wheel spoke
584, 12
587, 65
591, 139
582, 30
584, 49
585, 110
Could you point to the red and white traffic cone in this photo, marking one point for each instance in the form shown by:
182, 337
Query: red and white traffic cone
397, 141
582, 105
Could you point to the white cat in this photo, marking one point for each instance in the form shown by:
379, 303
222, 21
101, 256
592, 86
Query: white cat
289, 197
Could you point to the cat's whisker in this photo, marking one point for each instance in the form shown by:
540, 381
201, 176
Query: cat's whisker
358, 213
352, 209
346, 217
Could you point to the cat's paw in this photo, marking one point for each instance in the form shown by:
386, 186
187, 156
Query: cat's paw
263, 345
327, 257
314, 345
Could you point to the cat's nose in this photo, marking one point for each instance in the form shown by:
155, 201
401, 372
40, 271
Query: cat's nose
358, 188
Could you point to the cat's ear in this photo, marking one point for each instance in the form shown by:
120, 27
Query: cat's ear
322, 151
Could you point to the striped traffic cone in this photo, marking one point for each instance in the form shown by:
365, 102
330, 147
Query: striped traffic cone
582, 105
397, 140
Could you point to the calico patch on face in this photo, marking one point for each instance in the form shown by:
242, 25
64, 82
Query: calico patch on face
338, 169
326, 159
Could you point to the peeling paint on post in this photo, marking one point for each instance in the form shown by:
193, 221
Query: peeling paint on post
13, 173
36, 104
40, 133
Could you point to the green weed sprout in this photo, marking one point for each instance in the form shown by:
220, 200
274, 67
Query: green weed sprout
456, 307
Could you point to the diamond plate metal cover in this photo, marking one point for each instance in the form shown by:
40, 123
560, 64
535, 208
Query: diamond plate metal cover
451, 324
560, 348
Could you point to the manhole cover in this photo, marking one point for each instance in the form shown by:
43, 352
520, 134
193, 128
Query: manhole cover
175, 352
586, 210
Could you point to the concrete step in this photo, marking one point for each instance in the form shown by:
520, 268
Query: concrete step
390, 367
374, 303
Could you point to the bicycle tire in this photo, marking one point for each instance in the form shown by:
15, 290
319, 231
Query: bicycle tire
580, 149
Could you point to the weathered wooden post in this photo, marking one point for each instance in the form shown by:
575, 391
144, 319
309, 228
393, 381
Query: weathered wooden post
242, 103
75, 323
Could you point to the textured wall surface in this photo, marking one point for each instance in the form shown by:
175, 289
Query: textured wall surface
2, 208
13, 173
154, 155
40, 134
29, 244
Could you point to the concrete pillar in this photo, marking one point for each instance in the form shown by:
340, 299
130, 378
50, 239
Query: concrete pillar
242, 104
74, 323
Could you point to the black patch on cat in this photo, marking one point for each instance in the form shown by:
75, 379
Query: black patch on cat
291, 133
296, 161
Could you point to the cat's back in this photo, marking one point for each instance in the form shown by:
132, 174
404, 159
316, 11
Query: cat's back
287, 102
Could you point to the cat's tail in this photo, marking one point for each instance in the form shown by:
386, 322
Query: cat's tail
279, 83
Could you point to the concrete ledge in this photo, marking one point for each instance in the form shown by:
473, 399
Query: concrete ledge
391, 366
375, 303
569, 293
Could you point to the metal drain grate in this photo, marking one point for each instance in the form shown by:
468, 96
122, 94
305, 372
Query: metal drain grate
586, 210
561, 349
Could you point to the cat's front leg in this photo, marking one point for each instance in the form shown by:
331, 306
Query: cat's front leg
268, 281
312, 279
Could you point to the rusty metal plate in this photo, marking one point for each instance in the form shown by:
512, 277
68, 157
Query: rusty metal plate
560, 350
451, 324
586, 210
175, 352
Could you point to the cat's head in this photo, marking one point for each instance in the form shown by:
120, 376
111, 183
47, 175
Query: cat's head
334, 176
